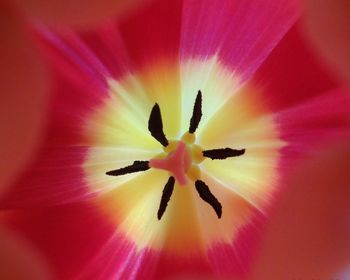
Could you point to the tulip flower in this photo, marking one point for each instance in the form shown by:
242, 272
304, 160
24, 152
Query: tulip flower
170, 134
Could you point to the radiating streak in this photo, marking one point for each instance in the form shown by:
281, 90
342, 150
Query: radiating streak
223, 184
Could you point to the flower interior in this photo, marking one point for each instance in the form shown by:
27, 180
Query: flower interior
181, 156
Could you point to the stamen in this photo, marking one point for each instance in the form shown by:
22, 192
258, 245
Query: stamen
155, 126
167, 192
207, 196
197, 113
137, 166
181, 161
223, 153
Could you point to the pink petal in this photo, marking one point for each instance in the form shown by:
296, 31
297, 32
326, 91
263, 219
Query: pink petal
237, 259
293, 73
153, 32
60, 157
73, 59
242, 33
69, 236
313, 124
119, 259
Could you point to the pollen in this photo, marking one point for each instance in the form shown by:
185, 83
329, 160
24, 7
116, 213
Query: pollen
197, 154
194, 172
189, 138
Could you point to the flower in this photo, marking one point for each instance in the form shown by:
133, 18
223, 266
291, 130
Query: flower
174, 82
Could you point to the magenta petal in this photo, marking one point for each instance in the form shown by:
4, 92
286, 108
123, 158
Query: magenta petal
171, 267
311, 125
62, 183
292, 73
118, 259
153, 32
306, 101
110, 50
72, 58
56, 175
242, 33
237, 258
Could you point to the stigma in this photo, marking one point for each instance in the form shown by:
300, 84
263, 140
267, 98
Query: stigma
181, 159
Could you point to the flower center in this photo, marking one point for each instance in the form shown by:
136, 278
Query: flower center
116, 134
178, 158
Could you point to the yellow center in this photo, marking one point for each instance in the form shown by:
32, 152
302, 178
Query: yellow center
180, 159
232, 117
